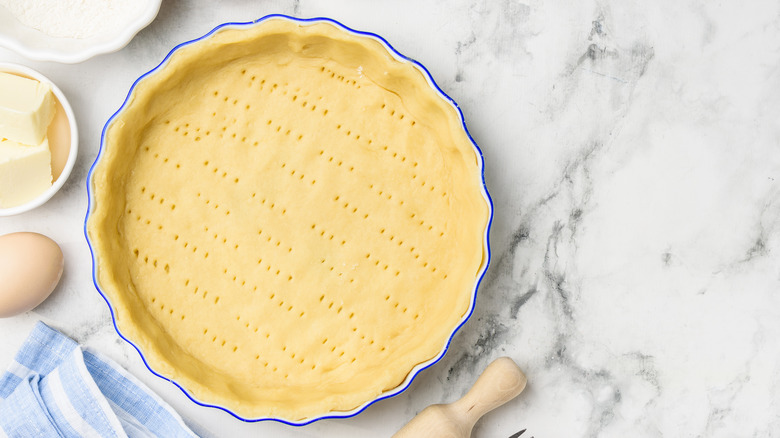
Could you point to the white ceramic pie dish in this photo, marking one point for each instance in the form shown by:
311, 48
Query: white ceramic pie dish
36, 45
62, 163
416, 369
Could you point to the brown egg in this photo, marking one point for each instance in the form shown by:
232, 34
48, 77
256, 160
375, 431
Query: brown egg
30, 268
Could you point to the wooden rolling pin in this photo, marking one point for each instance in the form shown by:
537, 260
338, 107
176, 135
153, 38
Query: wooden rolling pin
501, 381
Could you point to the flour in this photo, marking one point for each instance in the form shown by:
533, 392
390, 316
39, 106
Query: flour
75, 18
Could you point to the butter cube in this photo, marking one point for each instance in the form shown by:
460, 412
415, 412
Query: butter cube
26, 109
25, 172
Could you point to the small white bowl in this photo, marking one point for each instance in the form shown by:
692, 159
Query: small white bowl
62, 104
39, 46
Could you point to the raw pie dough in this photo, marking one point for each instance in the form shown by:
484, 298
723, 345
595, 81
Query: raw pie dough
287, 220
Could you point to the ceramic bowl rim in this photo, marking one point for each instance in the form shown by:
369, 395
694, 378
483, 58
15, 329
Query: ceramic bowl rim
74, 141
46, 53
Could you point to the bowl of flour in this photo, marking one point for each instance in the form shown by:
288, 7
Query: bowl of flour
71, 31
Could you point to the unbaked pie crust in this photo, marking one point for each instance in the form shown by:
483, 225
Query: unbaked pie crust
287, 219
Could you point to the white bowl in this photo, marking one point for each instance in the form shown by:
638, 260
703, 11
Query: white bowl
39, 46
73, 146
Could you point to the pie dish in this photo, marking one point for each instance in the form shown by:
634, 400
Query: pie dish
288, 219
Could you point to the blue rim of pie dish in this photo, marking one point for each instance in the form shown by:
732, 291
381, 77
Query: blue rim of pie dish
415, 370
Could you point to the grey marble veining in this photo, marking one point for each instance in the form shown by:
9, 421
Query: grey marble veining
632, 151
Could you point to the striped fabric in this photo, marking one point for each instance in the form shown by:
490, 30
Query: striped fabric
54, 388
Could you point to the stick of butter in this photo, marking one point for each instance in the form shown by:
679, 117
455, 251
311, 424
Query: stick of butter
26, 109
25, 172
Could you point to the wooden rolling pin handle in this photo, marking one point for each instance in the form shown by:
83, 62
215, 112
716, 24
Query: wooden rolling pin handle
501, 381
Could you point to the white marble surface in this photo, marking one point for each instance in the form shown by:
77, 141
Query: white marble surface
633, 153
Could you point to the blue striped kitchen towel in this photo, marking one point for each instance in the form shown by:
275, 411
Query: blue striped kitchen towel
54, 388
